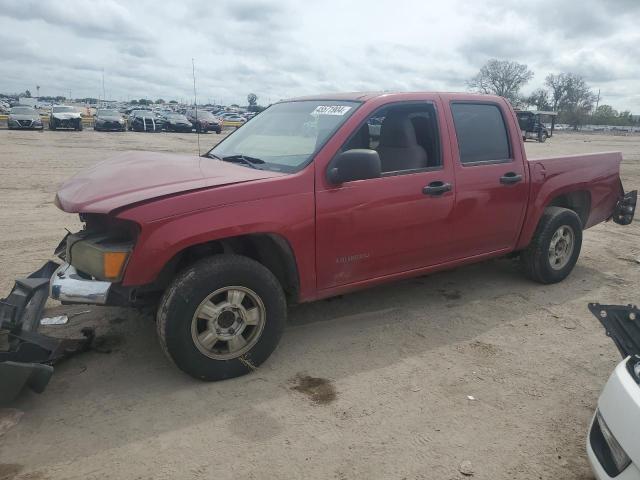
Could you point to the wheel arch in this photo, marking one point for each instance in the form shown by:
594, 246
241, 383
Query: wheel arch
579, 201
269, 249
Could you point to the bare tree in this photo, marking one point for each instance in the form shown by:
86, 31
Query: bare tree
539, 98
571, 96
558, 85
502, 77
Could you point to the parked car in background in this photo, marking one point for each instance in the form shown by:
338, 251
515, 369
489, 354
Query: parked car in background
108, 120
204, 121
234, 121
612, 445
177, 122
64, 116
143, 121
24, 118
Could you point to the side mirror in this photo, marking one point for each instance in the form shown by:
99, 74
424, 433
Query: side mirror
355, 164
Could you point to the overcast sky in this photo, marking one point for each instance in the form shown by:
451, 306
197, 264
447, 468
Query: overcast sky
284, 48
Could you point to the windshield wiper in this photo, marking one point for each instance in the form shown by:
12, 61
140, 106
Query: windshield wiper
245, 160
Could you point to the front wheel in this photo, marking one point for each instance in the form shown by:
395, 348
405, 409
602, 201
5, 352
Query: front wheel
555, 246
222, 317
543, 137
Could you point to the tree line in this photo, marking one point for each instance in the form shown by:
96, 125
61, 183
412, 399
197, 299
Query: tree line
565, 93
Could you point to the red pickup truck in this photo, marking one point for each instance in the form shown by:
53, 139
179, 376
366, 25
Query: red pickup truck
316, 197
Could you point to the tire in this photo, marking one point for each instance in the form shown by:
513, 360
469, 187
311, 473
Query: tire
543, 137
179, 329
541, 264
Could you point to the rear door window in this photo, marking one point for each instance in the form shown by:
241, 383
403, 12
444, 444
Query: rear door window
481, 132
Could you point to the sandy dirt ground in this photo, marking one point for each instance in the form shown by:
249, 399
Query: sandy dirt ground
391, 368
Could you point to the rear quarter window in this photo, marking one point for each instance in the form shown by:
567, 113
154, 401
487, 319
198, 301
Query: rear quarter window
481, 132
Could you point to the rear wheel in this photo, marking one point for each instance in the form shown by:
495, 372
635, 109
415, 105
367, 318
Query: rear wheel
555, 246
222, 317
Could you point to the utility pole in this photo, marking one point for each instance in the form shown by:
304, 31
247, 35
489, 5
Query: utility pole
103, 94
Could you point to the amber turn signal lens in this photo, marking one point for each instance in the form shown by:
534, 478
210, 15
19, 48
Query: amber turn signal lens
113, 263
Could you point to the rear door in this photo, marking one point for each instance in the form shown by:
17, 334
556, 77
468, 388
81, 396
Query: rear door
490, 174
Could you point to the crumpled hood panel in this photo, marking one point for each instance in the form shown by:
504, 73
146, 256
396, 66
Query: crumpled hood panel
133, 177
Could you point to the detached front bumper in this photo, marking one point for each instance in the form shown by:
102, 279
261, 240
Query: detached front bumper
26, 357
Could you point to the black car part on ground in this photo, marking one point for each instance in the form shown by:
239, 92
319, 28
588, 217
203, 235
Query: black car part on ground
622, 324
26, 357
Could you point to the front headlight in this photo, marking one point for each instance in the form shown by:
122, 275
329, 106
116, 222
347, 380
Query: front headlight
617, 459
98, 256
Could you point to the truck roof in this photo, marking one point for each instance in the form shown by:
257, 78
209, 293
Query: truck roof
398, 96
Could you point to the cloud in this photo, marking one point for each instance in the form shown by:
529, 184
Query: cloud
96, 18
289, 48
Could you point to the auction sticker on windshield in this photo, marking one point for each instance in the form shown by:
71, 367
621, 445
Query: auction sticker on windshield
330, 110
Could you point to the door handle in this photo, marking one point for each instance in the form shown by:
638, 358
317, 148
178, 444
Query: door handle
510, 178
436, 188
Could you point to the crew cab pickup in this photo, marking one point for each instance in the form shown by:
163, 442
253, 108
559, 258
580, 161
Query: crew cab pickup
304, 202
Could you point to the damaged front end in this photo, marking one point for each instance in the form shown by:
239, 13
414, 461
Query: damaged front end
99, 254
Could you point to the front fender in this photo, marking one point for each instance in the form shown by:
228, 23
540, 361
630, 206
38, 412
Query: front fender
290, 217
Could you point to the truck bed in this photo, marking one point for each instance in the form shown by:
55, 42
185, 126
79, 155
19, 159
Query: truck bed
595, 177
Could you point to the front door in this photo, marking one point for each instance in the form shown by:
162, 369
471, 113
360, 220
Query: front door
372, 228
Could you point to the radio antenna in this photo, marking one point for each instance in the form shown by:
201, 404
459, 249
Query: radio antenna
195, 101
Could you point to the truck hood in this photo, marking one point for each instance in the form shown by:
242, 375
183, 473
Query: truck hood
134, 177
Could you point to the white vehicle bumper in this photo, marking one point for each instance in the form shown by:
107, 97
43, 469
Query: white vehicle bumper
619, 407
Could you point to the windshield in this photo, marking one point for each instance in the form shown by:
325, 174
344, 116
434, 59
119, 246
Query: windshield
108, 113
286, 135
176, 116
63, 109
23, 110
